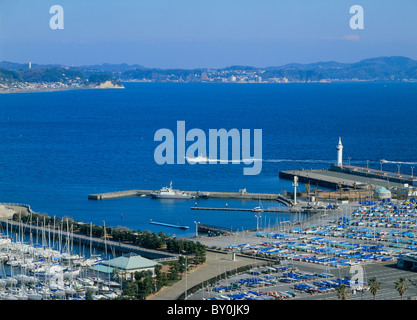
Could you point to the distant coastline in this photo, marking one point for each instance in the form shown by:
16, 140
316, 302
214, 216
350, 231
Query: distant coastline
15, 77
121, 86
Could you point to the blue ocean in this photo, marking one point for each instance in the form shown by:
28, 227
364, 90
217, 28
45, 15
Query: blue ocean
56, 148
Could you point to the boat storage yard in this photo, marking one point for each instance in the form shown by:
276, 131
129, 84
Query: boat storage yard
310, 260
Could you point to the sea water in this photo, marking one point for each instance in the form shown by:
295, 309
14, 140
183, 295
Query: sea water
58, 147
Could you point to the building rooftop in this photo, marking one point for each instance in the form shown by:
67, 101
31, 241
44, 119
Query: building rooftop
130, 261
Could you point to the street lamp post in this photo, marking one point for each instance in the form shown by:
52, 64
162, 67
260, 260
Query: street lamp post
412, 168
399, 166
196, 228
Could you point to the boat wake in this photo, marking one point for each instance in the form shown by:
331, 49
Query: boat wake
300, 161
313, 161
400, 162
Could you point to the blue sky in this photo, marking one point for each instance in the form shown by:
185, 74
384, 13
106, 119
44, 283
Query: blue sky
201, 33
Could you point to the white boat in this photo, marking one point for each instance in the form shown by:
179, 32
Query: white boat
169, 193
103, 289
86, 281
70, 291
11, 281
93, 289
68, 274
112, 283
33, 295
110, 295
258, 208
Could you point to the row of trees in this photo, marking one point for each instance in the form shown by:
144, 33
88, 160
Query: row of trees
343, 291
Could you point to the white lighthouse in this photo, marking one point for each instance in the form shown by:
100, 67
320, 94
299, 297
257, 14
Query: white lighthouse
295, 185
339, 153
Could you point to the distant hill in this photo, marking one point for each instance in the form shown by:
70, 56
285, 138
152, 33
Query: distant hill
381, 68
395, 68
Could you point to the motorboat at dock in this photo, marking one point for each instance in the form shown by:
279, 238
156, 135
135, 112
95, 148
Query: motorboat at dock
169, 193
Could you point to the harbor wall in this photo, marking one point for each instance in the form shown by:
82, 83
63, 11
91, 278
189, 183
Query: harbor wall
196, 194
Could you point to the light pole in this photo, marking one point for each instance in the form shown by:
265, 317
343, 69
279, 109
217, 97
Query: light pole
196, 228
412, 168
399, 166
367, 164
381, 164
186, 269
349, 160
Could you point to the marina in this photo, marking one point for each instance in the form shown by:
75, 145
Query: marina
30, 271
311, 261
38, 263
49, 233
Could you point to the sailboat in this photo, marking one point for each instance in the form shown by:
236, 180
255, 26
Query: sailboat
258, 208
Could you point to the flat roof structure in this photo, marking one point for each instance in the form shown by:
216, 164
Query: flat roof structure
130, 262
331, 179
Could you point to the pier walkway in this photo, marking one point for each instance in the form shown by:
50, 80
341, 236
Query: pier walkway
196, 194
332, 179
297, 209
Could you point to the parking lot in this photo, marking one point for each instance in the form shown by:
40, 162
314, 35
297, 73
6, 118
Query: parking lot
300, 280
368, 237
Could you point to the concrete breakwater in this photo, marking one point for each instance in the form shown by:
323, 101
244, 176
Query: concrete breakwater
276, 210
196, 194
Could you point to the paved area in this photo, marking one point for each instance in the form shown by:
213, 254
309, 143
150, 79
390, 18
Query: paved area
385, 273
6, 212
216, 265
333, 178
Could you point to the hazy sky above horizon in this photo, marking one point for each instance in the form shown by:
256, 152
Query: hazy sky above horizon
201, 33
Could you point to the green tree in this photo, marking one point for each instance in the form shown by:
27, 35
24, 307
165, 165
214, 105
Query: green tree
130, 289
374, 286
401, 286
174, 271
342, 292
145, 285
